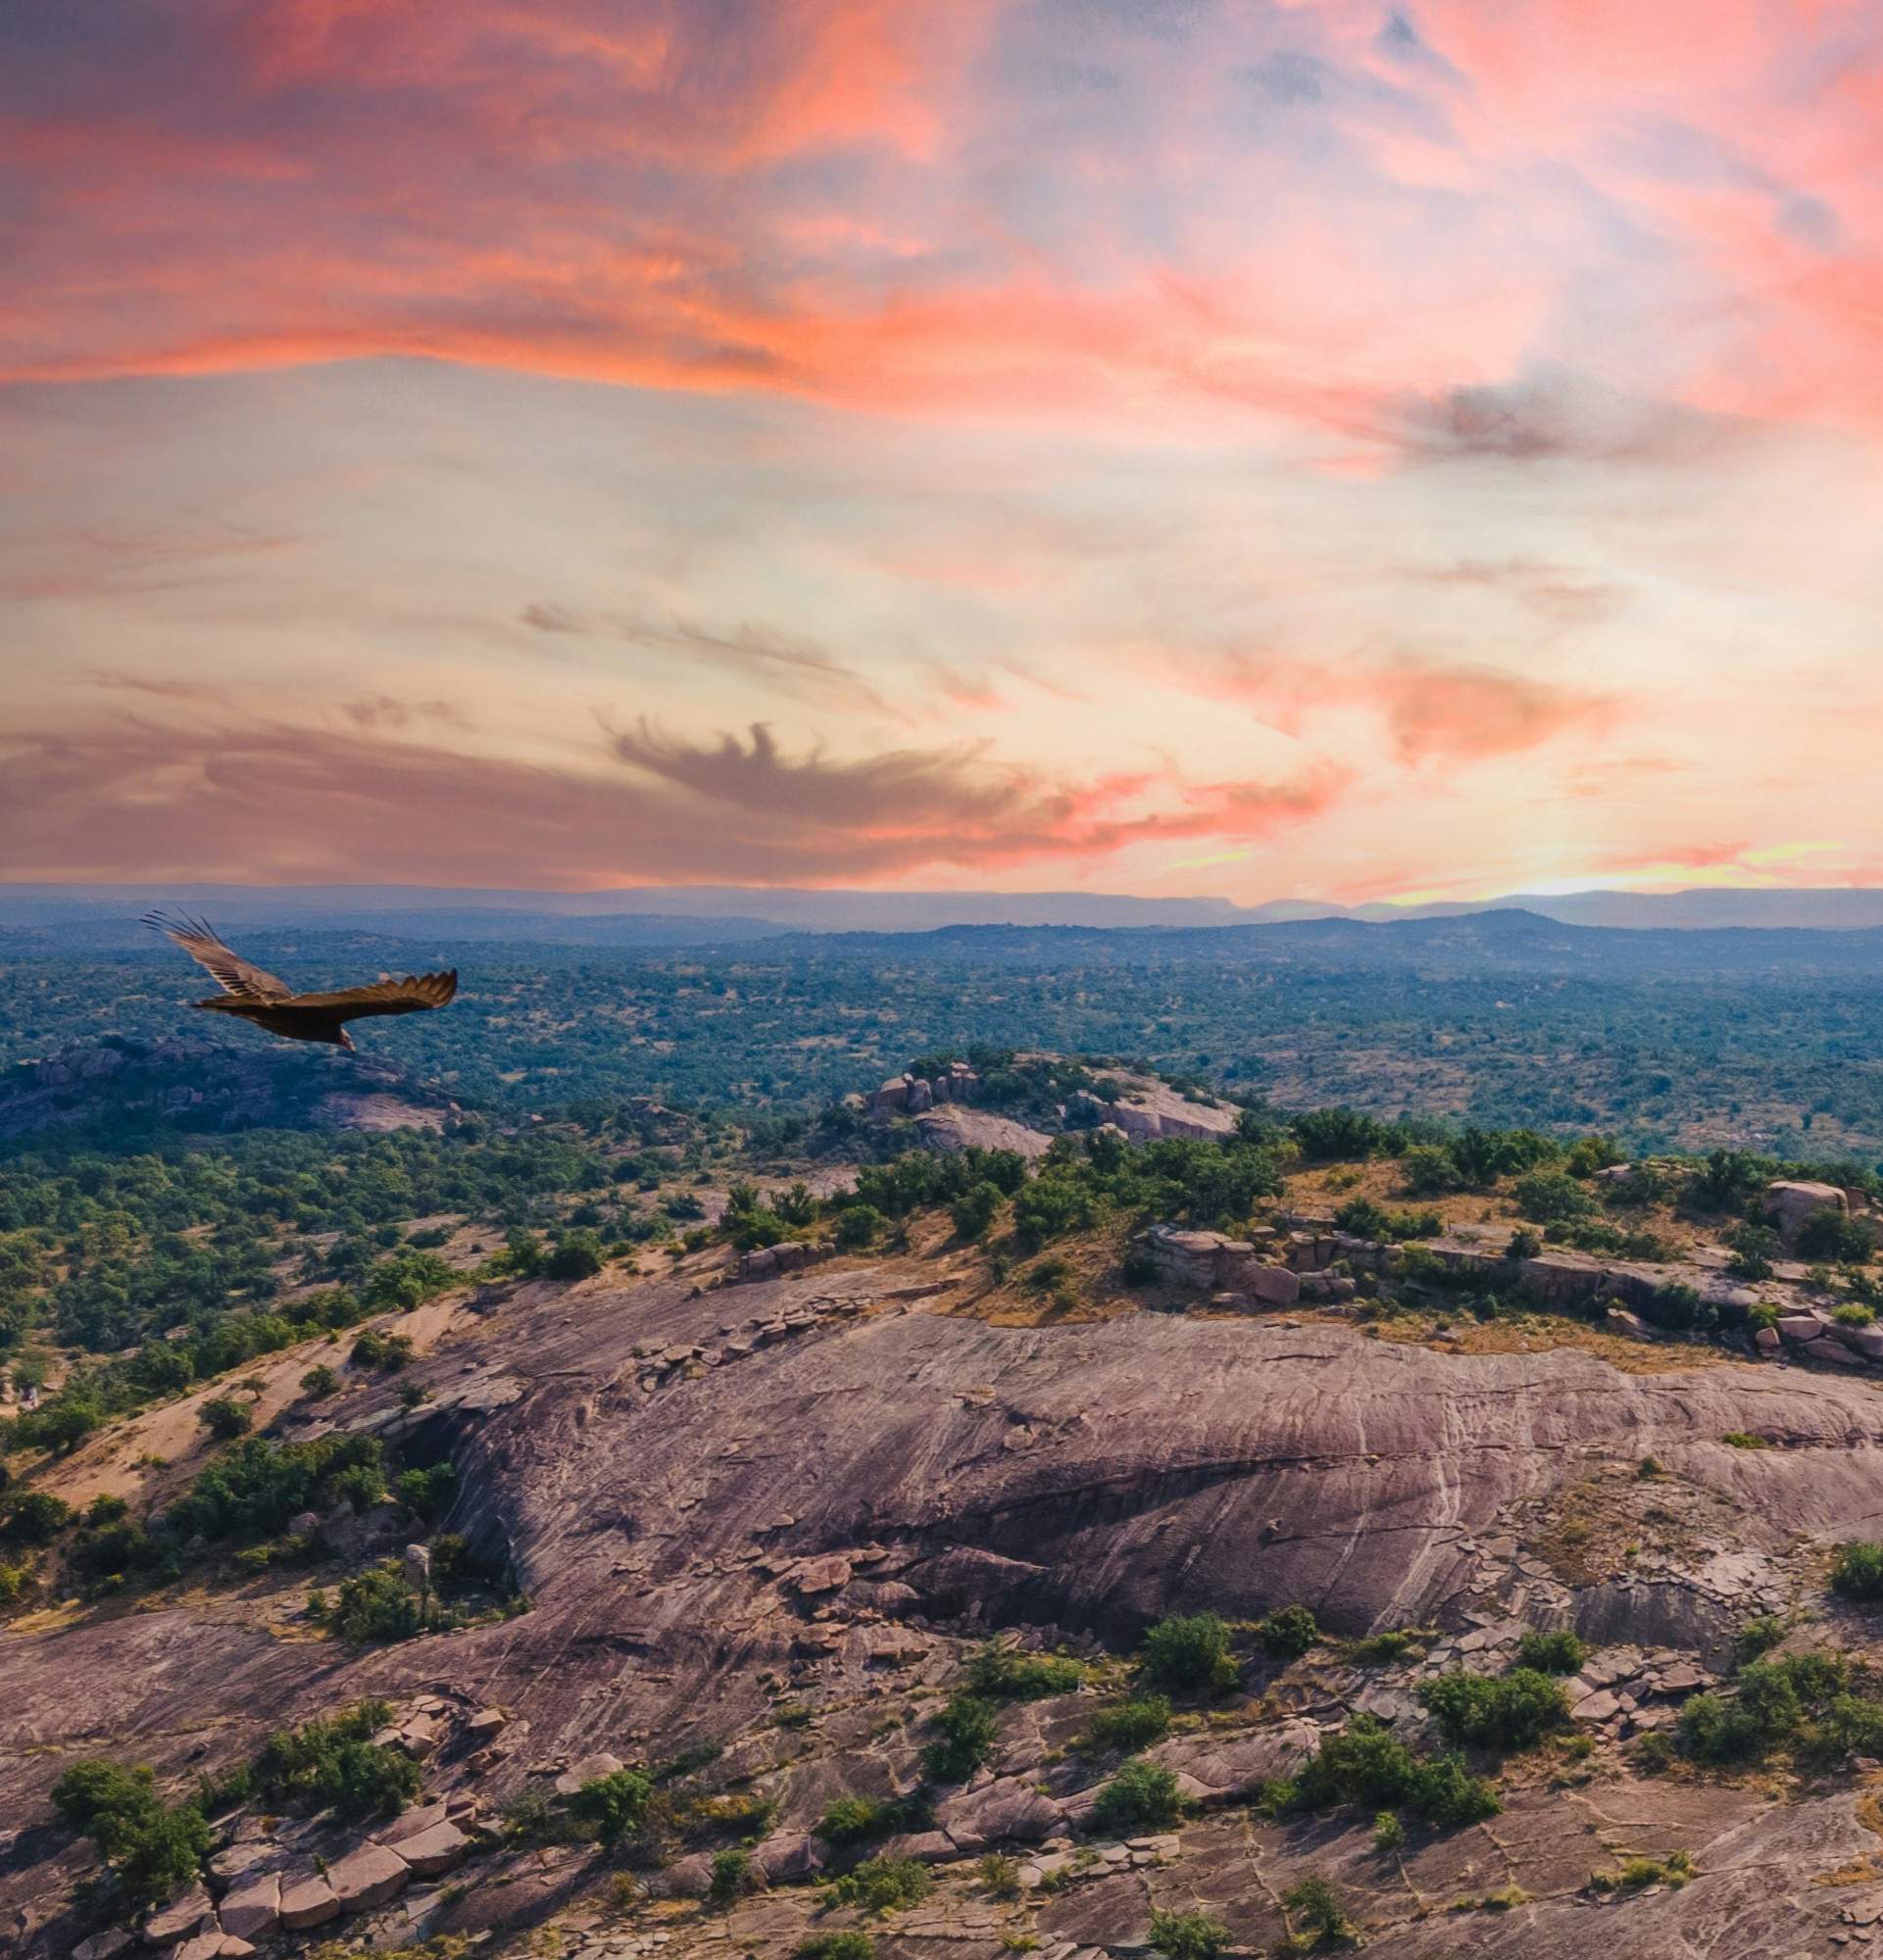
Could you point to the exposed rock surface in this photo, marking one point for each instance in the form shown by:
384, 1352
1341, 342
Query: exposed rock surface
834, 1518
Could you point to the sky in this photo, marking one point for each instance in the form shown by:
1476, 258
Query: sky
1248, 447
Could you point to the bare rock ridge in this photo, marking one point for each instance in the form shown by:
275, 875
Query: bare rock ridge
815, 1494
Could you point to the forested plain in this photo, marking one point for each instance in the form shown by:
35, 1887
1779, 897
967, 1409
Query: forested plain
1764, 1039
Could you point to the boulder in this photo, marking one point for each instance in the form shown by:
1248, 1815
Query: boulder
789, 1858
183, 1916
410, 1823
1010, 1810
814, 1576
1790, 1201
486, 1723
367, 1876
252, 1909
690, 1876
104, 1945
200, 1946
436, 1851
600, 1764
308, 1901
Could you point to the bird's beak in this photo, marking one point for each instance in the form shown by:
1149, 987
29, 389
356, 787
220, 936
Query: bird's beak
346, 1040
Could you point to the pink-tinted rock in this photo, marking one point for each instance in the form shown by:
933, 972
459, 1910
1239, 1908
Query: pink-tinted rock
308, 1901
179, 1919
788, 1857
104, 1945
368, 1876
432, 1853
252, 1909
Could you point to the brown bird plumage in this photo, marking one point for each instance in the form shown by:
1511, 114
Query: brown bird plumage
254, 995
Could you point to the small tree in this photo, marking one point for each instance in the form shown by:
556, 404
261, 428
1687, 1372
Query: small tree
1189, 1651
969, 1725
1142, 1797
1856, 1570
575, 1255
1318, 1908
225, 1418
730, 1876
859, 1225
1288, 1633
614, 1803
973, 1211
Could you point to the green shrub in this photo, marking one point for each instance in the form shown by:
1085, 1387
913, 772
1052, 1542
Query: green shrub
1817, 1705
1022, 1677
1288, 1633
614, 1803
1834, 1236
1760, 1634
1331, 1136
319, 1380
577, 1255
859, 1225
1523, 1245
1000, 1875
225, 1418
1318, 1908
1428, 1169
1551, 1196
1857, 1569
1513, 1711
969, 1725
377, 1605
153, 1848
731, 1874
1187, 1935
1389, 1834
1189, 1652
1141, 1796
1379, 1650
334, 1763
855, 1820
1740, 1439
1559, 1651
1130, 1724
426, 1493
1754, 1249
32, 1517
1365, 1764
849, 1944
883, 1884
973, 1211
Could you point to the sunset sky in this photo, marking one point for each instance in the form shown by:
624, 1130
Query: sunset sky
1170, 446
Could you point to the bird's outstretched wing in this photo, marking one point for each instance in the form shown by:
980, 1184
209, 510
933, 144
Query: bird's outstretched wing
385, 997
231, 972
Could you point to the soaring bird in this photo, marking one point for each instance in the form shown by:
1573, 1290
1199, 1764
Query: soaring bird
254, 995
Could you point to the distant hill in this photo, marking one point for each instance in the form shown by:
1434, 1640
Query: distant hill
102, 918
1464, 946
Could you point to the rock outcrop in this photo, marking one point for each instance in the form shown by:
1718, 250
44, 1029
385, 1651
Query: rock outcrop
834, 1520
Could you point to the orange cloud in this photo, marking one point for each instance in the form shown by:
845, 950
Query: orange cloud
130, 798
